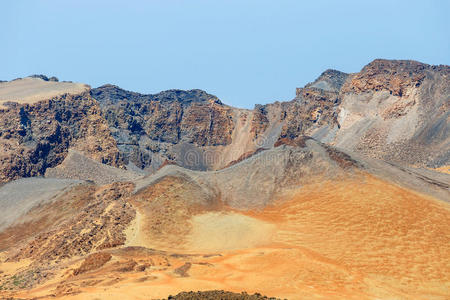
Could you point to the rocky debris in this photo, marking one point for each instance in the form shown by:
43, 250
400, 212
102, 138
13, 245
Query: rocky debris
93, 262
78, 166
392, 110
400, 108
344, 160
411, 129
125, 266
313, 108
315, 105
98, 225
34, 137
27, 278
182, 271
218, 295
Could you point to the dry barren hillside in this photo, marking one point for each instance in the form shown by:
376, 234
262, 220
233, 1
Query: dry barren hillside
334, 232
341, 193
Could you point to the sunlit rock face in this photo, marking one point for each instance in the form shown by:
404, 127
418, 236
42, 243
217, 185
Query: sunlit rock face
388, 110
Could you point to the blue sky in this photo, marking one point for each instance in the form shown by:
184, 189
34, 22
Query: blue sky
245, 52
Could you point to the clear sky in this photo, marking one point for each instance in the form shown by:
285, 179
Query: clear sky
245, 52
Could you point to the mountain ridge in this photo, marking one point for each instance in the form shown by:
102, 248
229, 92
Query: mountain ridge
370, 112
112, 194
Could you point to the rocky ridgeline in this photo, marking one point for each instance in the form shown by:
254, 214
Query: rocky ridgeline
392, 110
395, 76
147, 124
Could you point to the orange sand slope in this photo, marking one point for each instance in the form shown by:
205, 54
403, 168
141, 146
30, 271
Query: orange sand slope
358, 238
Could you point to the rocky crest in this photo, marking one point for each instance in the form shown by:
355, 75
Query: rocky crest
394, 76
330, 80
312, 107
36, 137
145, 124
389, 110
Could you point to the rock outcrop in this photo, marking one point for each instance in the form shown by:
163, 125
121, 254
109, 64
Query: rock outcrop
148, 126
397, 111
395, 76
392, 110
34, 137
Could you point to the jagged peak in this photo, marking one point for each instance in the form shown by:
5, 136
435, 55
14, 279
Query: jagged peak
395, 65
329, 80
332, 72
186, 96
395, 76
44, 77
108, 85
113, 93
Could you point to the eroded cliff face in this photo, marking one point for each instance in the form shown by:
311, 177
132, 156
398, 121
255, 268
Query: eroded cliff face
397, 111
314, 107
393, 110
148, 127
34, 137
